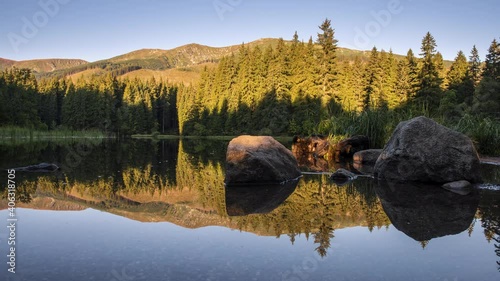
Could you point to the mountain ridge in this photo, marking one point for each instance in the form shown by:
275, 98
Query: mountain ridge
186, 60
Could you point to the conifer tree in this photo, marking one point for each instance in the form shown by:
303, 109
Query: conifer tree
492, 62
439, 62
373, 97
389, 68
458, 80
326, 39
429, 76
475, 70
487, 95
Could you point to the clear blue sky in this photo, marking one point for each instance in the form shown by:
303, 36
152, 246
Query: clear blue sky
100, 29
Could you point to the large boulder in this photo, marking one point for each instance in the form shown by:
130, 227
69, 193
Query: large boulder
259, 160
422, 150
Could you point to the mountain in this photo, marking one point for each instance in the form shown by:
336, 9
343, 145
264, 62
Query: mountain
42, 65
182, 64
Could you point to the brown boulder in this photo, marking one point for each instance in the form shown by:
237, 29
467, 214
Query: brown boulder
316, 145
346, 148
422, 150
259, 160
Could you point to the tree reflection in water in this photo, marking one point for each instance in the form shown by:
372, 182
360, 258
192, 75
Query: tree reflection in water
183, 182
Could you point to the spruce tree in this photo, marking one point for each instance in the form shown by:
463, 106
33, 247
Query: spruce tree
458, 78
326, 39
475, 69
373, 96
412, 63
492, 62
429, 76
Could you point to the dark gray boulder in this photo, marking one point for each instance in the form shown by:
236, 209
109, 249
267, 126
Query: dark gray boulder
422, 150
259, 160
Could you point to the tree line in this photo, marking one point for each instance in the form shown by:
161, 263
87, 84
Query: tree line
291, 88
105, 103
294, 87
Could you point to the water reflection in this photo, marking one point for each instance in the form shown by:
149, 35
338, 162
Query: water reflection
182, 182
424, 212
257, 199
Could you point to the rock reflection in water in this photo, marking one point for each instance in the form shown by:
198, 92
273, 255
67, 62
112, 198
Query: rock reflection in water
424, 212
257, 199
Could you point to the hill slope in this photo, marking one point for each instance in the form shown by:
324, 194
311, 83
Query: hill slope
42, 65
182, 64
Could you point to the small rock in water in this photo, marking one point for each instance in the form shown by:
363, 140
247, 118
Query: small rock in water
461, 187
342, 176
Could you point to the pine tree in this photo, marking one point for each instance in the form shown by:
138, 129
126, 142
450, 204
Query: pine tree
458, 80
475, 70
492, 62
326, 39
439, 62
373, 96
429, 76
389, 68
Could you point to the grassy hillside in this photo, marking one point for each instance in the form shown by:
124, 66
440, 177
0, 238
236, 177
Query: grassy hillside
181, 64
42, 65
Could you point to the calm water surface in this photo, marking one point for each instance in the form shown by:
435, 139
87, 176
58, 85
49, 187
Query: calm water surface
145, 210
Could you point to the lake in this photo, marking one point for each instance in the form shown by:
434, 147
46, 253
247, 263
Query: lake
158, 210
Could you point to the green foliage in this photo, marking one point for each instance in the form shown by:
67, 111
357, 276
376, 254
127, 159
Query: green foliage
487, 98
103, 103
492, 62
475, 68
19, 99
485, 132
429, 76
459, 80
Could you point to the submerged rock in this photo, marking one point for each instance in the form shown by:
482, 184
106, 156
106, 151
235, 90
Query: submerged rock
342, 176
462, 187
259, 160
39, 168
422, 150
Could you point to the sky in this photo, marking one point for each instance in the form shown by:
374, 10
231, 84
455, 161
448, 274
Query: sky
99, 29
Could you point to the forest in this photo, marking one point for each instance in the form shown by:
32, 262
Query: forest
292, 88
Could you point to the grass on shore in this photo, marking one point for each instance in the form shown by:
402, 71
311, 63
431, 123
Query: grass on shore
11, 133
378, 126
